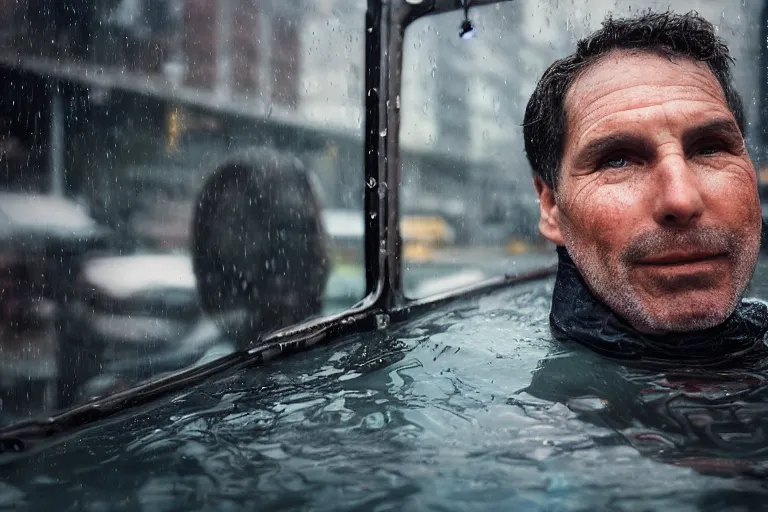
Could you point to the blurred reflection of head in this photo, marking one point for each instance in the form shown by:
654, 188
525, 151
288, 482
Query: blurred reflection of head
259, 249
645, 185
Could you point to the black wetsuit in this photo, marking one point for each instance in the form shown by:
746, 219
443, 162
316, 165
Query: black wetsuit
697, 399
577, 315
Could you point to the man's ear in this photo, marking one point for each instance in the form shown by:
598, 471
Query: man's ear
549, 221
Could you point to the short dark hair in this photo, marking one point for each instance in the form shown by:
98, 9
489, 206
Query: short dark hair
668, 34
259, 248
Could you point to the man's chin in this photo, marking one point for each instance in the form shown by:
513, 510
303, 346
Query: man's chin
687, 324
682, 317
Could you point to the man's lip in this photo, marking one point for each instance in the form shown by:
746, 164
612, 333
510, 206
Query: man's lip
682, 258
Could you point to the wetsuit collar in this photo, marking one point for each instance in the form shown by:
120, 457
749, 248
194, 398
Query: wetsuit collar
578, 315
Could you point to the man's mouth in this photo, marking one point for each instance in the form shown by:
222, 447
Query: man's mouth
681, 258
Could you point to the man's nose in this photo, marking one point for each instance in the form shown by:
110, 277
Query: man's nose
678, 199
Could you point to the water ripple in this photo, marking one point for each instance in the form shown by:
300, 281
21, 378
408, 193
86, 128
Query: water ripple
469, 408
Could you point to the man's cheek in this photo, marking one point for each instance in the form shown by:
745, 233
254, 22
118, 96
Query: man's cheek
607, 219
735, 201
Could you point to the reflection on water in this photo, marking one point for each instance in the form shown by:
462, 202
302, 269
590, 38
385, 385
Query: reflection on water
713, 421
469, 407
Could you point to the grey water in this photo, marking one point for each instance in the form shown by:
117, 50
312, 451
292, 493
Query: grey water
469, 407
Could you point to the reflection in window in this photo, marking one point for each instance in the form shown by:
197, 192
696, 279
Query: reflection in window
286, 59
24, 133
177, 179
453, 132
246, 54
469, 209
200, 43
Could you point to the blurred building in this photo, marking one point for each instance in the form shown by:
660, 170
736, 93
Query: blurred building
466, 98
158, 90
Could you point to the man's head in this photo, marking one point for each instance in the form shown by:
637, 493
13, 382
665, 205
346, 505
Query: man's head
636, 143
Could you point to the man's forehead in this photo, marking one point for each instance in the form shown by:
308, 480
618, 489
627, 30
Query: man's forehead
623, 81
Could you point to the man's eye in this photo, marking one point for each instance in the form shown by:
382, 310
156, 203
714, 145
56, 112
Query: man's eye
615, 162
710, 149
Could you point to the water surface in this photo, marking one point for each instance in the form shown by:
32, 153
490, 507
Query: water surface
470, 407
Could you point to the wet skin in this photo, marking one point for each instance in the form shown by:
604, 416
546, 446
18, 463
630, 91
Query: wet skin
657, 198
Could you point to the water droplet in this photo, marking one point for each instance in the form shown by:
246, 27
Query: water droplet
375, 421
371, 182
382, 190
382, 321
383, 133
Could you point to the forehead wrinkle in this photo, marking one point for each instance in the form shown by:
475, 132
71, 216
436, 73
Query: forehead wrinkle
606, 122
619, 58
634, 94
704, 81
634, 97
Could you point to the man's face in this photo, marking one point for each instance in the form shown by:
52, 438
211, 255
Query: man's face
657, 198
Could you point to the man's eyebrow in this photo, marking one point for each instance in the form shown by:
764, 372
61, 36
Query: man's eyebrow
613, 142
721, 127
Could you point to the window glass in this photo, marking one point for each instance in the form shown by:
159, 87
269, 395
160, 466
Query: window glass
468, 203
177, 179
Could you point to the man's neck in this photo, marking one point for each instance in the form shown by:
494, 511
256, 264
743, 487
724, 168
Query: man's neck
578, 315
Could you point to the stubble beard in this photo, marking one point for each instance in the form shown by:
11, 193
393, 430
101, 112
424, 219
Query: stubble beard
610, 281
